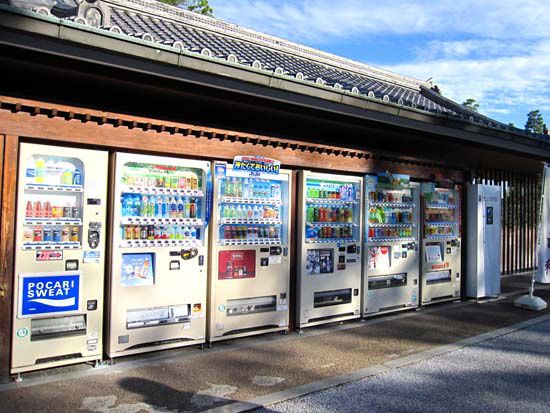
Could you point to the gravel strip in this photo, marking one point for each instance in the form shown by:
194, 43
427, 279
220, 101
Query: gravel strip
510, 373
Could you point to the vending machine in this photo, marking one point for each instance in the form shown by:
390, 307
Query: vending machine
158, 280
441, 246
329, 248
59, 257
250, 261
391, 264
484, 206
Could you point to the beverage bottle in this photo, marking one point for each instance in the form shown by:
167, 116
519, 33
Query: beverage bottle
67, 177
143, 206
257, 213
77, 177
239, 188
39, 170
246, 188
181, 208
136, 205
47, 210
151, 205
249, 213
29, 210
173, 208
187, 209
37, 234
38, 213
164, 207
192, 208
350, 215
315, 214
158, 207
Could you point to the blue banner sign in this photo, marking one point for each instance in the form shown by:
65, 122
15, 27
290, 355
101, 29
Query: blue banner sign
48, 294
256, 164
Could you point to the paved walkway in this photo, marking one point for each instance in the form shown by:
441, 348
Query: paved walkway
507, 374
190, 379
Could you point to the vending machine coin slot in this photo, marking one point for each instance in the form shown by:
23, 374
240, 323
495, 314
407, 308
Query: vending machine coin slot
285, 251
174, 265
352, 249
93, 201
93, 234
91, 305
201, 260
275, 251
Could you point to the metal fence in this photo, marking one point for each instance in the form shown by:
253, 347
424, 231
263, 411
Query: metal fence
520, 200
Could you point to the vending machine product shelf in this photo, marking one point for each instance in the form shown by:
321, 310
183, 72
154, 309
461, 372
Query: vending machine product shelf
329, 248
250, 270
59, 257
158, 280
391, 263
441, 245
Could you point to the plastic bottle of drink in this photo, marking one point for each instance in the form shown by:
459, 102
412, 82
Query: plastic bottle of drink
136, 205
29, 210
47, 210
158, 207
151, 210
38, 212
187, 206
144, 206
246, 188
163, 207
227, 187
249, 213
181, 208
257, 212
192, 208
39, 171
173, 208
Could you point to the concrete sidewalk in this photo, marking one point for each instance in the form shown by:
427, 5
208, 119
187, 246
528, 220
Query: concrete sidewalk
193, 380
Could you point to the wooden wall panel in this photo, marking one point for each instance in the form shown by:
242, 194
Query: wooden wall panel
7, 240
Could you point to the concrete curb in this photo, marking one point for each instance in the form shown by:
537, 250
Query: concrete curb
305, 389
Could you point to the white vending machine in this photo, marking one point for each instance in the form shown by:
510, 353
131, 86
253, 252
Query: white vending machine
329, 248
158, 279
59, 257
391, 258
484, 206
249, 281
441, 245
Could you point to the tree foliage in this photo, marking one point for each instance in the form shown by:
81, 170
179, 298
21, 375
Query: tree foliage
471, 104
535, 122
197, 6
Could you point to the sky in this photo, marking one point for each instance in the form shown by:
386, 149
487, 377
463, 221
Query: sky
494, 51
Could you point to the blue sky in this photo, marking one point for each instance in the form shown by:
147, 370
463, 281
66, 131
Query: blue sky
495, 51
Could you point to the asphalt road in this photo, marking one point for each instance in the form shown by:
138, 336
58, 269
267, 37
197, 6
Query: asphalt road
508, 374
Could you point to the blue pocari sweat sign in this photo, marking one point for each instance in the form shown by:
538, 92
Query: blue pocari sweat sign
44, 294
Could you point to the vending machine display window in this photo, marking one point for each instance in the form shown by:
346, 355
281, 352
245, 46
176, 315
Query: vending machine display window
137, 269
320, 261
250, 211
160, 205
53, 203
330, 211
440, 214
390, 215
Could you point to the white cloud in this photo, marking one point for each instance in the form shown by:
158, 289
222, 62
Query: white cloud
319, 21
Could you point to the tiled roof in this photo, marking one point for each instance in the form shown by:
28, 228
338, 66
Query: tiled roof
160, 23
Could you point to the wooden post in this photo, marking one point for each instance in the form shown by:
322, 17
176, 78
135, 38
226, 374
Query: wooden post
7, 240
